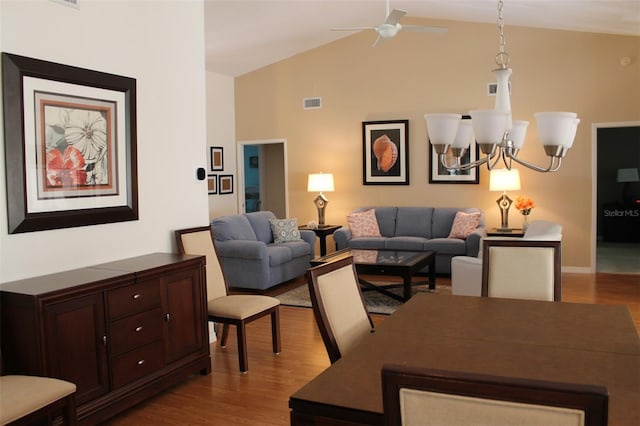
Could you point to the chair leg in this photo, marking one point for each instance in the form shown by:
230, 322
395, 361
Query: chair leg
69, 413
275, 330
242, 348
225, 335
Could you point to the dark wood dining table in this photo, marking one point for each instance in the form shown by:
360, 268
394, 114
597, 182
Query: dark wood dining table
557, 341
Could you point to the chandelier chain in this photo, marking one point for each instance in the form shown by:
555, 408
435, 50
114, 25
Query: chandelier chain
502, 58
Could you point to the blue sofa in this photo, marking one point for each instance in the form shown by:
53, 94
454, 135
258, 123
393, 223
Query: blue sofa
417, 228
249, 257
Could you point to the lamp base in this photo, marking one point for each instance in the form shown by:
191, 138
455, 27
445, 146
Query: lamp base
320, 202
504, 202
505, 229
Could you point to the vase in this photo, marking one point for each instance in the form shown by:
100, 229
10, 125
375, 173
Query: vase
525, 222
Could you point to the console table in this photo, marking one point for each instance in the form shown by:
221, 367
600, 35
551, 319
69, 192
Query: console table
121, 331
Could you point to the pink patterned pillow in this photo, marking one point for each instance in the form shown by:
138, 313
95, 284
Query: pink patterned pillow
363, 224
464, 224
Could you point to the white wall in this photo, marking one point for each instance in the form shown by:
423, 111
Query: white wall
221, 132
161, 45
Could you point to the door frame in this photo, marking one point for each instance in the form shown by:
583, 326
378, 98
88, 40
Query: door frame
594, 183
240, 169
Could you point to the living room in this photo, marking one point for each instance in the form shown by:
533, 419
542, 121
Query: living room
183, 109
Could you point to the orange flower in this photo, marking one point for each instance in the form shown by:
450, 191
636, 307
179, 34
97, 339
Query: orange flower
524, 204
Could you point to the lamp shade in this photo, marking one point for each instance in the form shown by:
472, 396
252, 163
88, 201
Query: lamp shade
628, 175
320, 182
504, 180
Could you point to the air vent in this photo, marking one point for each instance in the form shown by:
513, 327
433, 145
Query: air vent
312, 103
72, 3
492, 88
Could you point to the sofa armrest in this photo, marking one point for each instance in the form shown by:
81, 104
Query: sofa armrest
310, 238
472, 242
341, 238
243, 249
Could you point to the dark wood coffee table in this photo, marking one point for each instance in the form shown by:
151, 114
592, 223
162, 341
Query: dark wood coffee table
403, 263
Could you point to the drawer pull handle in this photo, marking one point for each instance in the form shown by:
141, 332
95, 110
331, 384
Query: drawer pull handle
141, 362
139, 328
104, 340
168, 317
137, 296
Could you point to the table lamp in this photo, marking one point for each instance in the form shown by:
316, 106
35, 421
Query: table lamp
320, 182
626, 176
504, 180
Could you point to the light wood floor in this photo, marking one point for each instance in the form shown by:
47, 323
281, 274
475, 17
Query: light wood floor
260, 397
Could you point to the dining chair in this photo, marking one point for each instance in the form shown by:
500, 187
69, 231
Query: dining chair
422, 396
522, 269
223, 308
338, 306
25, 400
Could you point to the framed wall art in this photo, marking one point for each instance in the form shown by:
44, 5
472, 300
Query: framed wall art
217, 158
70, 145
225, 184
439, 174
385, 152
212, 184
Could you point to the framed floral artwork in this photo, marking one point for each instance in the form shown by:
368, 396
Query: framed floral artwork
70, 145
385, 152
438, 173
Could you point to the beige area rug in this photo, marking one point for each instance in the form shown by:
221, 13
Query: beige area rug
377, 303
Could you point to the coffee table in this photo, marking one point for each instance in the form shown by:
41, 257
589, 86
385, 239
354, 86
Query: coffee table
401, 263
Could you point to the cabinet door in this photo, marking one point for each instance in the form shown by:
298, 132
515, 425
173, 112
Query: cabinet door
75, 344
183, 301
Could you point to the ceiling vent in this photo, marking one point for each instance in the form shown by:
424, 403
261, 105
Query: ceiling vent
72, 3
312, 103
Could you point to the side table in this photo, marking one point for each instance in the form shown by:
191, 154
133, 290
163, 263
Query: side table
515, 232
322, 231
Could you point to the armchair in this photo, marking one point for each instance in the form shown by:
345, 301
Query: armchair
466, 271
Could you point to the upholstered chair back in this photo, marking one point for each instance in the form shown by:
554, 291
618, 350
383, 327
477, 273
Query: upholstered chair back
200, 242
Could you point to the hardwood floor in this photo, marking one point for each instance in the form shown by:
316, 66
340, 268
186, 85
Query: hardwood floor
260, 397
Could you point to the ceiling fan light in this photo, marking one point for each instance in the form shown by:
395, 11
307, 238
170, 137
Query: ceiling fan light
556, 128
387, 30
518, 133
442, 128
489, 125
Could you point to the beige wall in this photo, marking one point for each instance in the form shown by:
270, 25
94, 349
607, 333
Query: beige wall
418, 73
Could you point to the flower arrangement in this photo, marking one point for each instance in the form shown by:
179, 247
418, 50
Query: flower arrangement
524, 204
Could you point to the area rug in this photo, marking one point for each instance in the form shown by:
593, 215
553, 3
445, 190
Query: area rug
377, 303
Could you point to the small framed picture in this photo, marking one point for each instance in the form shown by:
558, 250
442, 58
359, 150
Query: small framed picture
225, 184
385, 152
217, 158
212, 184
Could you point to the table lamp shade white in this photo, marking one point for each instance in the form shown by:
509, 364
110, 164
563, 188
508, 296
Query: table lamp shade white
320, 182
626, 176
504, 180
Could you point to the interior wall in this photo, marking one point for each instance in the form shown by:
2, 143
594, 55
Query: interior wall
414, 74
130, 39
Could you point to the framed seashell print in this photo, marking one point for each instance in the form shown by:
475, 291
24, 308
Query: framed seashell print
439, 173
385, 152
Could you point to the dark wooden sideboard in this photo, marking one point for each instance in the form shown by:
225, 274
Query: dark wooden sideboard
121, 331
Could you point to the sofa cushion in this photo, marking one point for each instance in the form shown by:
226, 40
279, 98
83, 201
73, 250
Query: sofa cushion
368, 243
414, 222
261, 225
386, 217
278, 254
363, 224
284, 230
234, 227
298, 248
443, 221
446, 246
464, 224
405, 243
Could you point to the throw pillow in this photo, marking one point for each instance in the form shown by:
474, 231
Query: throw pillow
364, 224
285, 230
464, 224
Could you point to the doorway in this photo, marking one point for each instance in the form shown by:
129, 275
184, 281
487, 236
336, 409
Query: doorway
262, 176
622, 137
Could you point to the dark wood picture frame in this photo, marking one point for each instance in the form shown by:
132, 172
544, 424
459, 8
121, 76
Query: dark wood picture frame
439, 174
216, 158
225, 184
385, 152
212, 184
22, 79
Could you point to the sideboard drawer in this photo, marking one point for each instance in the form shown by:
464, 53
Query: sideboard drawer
136, 364
135, 330
132, 299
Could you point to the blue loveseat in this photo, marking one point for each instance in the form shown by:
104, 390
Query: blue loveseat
417, 229
249, 257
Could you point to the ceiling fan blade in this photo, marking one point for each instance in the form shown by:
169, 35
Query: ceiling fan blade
352, 28
379, 41
394, 16
425, 29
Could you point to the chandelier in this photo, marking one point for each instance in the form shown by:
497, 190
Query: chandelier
497, 135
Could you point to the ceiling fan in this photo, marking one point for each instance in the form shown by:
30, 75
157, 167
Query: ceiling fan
391, 26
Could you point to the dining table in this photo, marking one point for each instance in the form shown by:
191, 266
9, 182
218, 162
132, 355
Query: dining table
591, 344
